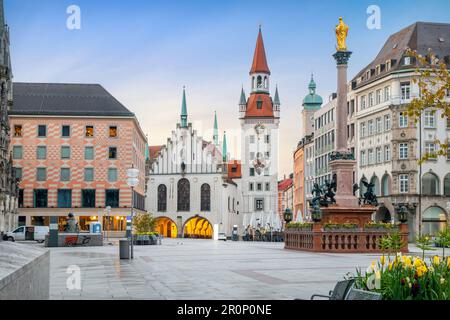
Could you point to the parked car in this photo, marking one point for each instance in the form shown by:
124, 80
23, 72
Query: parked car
28, 233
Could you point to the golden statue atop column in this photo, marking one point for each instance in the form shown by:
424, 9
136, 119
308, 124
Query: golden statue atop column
341, 35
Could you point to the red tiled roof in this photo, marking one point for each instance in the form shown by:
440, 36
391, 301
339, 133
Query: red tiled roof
234, 165
252, 105
153, 151
259, 59
283, 185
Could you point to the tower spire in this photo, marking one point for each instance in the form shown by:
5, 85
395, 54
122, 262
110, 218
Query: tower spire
243, 99
184, 114
259, 59
216, 130
224, 147
277, 97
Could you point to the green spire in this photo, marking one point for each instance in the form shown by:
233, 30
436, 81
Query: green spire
216, 131
312, 85
277, 97
243, 100
224, 147
312, 101
184, 114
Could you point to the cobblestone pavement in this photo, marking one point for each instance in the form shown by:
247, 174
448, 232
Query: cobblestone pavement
200, 269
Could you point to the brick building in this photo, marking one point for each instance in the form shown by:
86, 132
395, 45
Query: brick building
71, 146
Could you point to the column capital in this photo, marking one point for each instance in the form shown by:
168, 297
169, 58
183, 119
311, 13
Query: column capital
342, 57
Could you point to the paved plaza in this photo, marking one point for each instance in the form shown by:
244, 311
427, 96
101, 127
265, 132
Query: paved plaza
200, 269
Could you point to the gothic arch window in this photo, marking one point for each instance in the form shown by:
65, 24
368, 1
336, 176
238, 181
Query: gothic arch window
162, 198
184, 195
430, 184
205, 197
259, 82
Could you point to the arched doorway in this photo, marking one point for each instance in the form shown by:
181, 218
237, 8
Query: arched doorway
166, 227
434, 219
383, 215
199, 228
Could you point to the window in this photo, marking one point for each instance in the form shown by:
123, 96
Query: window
252, 139
41, 174
162, 198
387, 122
112, 154
267, 138
430, 149
89, 153
250, 187
113, 131
387, 93
407, 61
205, 201
65, 152
379, 126
88, 198
259, 104
89, 174
363, 130
267, 186
259, 204
370, 127
387, 153
405, 88
17, 130
112, 175
403, 120
404, 183
370, 156
259, 186
41, 152
252, 172
430, 119
184, 195
40, 198
363, 158
65, 174
112, 198
378, 96
89, 131
252, 156
64, 198
21, 198
65, 131
18, 173
371, 101
363, 102
17, 152
42, 131
403, 151
379, 155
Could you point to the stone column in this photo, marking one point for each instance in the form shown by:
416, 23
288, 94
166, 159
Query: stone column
342, 161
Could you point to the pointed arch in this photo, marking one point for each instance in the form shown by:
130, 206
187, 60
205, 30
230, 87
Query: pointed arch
184, 195
162, 198
205, 197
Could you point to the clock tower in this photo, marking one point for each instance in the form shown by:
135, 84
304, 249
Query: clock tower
260, 117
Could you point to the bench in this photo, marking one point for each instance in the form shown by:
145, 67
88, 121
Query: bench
339, 292
357, 294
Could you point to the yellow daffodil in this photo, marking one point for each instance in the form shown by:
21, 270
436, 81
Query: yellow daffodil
418, 262
436, 260
383, 260
390, 266
421, 270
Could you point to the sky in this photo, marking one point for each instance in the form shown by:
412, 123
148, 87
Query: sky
144, 52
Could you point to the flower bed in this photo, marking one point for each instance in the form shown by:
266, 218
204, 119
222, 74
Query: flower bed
407, 278
306, 226
380, 226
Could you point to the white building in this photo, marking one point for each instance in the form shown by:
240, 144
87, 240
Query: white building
260, 118
390, 144
192, 188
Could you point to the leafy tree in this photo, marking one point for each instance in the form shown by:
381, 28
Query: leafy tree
144, 223
433, 79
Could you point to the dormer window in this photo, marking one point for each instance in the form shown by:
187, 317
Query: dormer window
368, 74
388, 65
377, 70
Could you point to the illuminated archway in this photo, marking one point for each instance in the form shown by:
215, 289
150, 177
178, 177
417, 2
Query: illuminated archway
198, 227
166, 227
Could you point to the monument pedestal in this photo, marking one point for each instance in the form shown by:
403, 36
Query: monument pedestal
343, 169
348, 214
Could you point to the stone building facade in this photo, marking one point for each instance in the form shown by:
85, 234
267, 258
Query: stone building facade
8, 181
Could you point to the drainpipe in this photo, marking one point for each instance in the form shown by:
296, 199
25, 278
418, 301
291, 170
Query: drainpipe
420, 176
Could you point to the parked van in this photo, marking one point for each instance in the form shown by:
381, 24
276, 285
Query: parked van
28, 233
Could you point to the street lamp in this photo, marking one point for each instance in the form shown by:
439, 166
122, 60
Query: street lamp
316, 214
132, 181
403, 214
288, 216
108, 212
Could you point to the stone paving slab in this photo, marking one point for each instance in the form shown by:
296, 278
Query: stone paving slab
201, 269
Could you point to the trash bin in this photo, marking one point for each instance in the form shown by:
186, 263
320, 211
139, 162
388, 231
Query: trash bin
124, 249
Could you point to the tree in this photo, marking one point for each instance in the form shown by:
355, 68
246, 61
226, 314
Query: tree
433, 79
144, 223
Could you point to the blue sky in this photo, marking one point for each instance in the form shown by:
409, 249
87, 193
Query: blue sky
144, 52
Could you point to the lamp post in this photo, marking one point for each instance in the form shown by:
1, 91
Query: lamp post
108, 213
132, 181
403, 214
288, 216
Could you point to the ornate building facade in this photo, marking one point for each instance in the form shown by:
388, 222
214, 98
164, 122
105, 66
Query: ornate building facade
193, 188
8, 181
